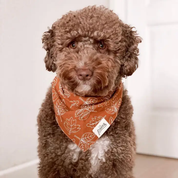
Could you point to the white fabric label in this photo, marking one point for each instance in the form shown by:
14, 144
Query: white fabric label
101, 127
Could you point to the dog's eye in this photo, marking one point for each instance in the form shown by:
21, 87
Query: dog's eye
101, 45
73, 45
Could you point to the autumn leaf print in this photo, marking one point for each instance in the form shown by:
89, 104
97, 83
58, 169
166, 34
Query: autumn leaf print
63, 100
111, 120
86, 140
89, 101
118, 103
71, 125
61, 90
94, 121
60, 109
54, 82
54, 96
113, 109
74, 103
84, 113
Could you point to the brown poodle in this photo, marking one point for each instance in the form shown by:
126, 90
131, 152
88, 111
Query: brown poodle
90, 50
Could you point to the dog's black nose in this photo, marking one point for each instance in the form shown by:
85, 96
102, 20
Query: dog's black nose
84, 74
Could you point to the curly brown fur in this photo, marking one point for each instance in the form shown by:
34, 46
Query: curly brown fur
89, 28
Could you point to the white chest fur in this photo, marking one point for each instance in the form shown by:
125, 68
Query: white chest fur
74, 153
98, 151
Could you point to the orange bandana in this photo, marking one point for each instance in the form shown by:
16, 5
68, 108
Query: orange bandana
84, 119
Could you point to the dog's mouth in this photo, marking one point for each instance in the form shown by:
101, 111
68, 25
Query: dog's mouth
82, 90
96, 85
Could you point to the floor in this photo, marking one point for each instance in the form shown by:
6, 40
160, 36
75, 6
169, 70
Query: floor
146, 167
155, 167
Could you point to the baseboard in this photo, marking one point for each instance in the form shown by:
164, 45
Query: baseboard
27, 170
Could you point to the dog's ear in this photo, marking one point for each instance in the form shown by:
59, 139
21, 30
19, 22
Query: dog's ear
130, 40
48, 45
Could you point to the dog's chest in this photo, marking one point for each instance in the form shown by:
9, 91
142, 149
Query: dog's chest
97, 150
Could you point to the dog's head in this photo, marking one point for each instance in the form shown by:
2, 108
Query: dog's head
91, 50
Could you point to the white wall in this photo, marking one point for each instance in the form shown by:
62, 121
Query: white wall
23, 79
